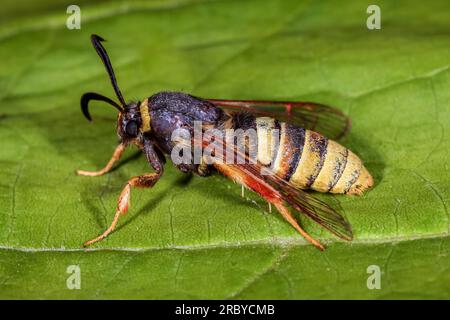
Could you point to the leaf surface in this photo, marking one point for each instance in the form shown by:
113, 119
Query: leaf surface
196, 237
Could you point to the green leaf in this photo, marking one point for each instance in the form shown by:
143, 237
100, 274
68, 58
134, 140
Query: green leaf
196, 237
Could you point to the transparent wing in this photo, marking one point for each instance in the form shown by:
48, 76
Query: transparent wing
326, 120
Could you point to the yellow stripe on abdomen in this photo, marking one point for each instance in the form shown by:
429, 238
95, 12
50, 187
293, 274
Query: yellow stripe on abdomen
265, 128
311, 161
278, 167
333, 167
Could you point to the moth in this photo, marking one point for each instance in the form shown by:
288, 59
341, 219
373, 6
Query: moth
294, 142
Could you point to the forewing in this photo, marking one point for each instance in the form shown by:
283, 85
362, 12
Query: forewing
326, 120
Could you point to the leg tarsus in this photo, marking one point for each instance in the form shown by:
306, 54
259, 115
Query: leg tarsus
289, 218
143, 181
115, 157
106, 232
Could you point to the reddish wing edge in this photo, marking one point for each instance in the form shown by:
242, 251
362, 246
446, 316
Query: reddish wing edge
273, 188
326, 120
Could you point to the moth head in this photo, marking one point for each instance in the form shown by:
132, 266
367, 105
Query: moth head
129, 121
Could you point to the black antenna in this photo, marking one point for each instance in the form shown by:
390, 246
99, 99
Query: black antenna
88, 96
96, 41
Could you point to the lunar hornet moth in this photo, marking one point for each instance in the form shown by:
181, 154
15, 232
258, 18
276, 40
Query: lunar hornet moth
295, 142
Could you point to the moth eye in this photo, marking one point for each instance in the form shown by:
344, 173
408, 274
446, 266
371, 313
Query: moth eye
132, 128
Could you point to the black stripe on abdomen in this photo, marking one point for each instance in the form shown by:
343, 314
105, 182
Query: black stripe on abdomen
318, 146
296, 141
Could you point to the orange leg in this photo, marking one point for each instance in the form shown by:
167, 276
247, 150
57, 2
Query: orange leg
289, 218
115, 157
143, 181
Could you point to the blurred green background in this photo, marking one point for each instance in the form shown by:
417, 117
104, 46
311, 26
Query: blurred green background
196, 237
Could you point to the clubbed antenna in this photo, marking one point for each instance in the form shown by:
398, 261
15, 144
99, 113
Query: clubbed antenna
96, 41
85, 98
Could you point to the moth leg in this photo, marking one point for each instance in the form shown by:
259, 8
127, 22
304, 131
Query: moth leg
144, 181
242, 191
115, 157
289, 218
270, 207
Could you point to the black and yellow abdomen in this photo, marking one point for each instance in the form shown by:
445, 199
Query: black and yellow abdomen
308, 160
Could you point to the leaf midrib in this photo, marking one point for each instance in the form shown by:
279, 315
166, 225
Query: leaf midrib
279, 243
